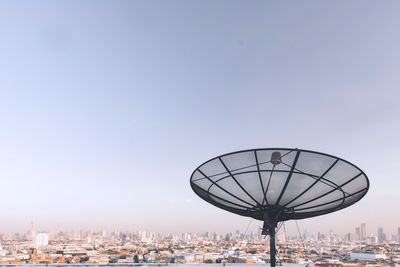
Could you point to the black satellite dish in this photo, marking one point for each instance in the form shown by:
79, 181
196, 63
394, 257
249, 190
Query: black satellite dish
279, 184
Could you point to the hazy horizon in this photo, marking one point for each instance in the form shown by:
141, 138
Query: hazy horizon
252, 227
106, 107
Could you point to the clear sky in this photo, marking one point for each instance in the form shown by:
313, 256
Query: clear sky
106, 107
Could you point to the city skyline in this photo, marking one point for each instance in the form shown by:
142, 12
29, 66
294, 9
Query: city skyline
289, 229
106, 108
379, 236
91, 247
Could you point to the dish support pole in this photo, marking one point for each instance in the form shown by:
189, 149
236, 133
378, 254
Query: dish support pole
269, 228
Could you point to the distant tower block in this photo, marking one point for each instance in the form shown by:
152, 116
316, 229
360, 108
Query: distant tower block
363, 231
33, 234
358, 233
279, 184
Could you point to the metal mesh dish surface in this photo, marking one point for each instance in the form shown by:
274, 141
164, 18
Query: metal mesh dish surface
304, 184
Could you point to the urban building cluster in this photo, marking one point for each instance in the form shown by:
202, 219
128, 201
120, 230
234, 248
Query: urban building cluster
91, 247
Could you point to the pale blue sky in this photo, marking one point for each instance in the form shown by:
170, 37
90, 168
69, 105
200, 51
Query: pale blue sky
106, 107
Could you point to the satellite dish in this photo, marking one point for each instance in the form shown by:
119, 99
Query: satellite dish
279, 184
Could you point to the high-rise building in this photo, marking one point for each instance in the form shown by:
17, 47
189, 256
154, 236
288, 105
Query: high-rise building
348, 237
42, 239
394, 238
358, 233
363, 231
208, 235
381, 235
33, 235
